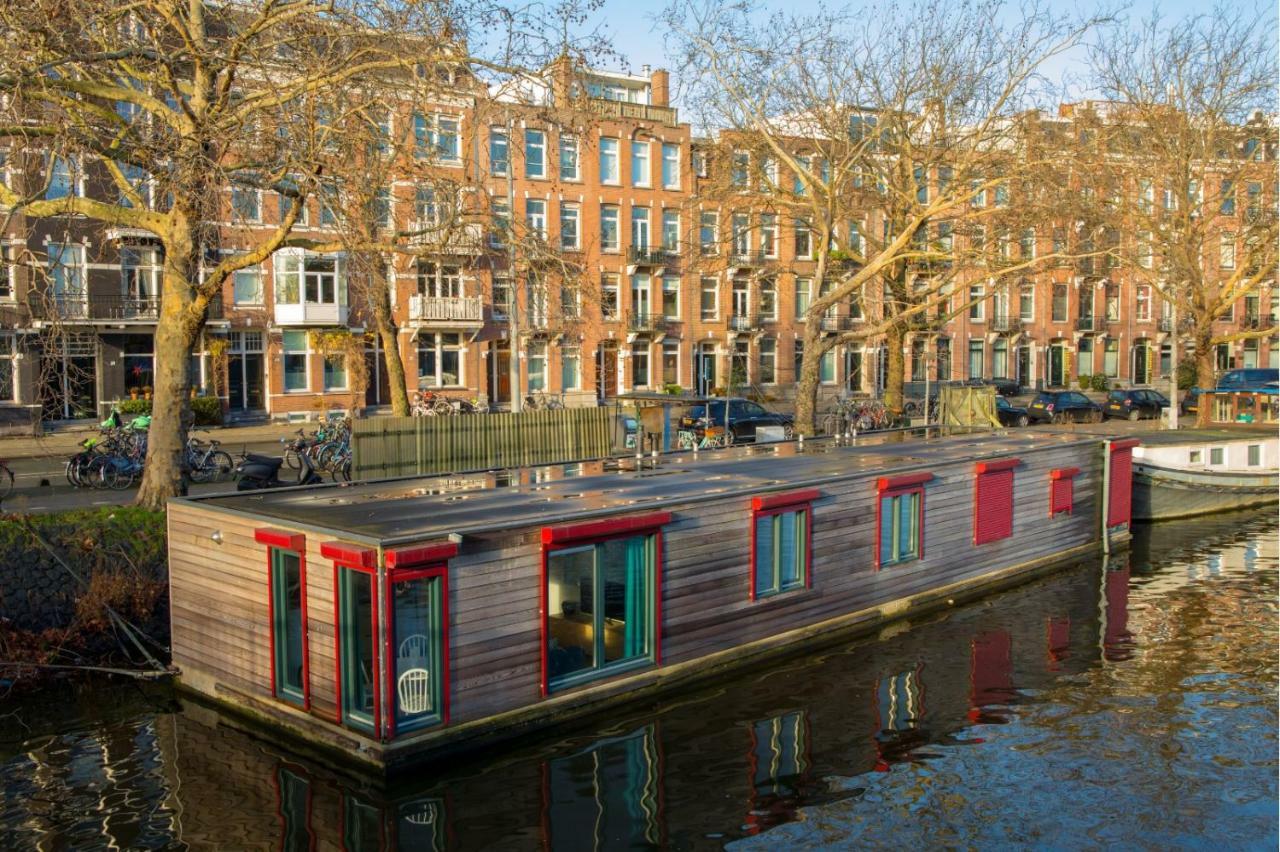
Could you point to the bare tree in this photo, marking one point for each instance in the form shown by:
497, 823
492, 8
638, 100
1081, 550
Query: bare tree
173, 111
896, 132
1186, 158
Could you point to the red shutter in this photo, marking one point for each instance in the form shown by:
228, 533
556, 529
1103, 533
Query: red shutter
1119, 499
993, 501
1062, 490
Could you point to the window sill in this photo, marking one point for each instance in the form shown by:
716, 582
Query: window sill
782, 593
597, 675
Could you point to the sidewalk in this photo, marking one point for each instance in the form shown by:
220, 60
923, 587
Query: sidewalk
64, 442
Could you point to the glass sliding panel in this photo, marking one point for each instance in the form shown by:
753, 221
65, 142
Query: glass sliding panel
570, 611
906, 526
887, 515
358, 644
286, 602
790, 549
417, 667
764, 554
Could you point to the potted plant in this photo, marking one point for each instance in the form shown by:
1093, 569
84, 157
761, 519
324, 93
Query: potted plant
133, 393
146, 392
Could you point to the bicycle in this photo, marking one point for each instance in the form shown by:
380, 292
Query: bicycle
205, 462
543, 401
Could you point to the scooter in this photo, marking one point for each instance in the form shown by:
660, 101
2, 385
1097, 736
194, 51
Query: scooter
256, 472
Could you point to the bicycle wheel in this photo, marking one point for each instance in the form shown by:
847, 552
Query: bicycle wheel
222, 465
199, 471
104, 473
291, 459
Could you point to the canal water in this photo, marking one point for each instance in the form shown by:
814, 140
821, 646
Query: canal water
1129, 703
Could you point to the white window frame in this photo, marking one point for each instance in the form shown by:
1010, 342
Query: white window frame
641, 164
568, 144
610, 152
570, 212
670, 156
535, 140
611, 213
535, 216
714, 289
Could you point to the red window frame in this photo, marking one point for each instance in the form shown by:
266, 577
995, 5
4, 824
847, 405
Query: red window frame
276, 539
1120, 503
1062, 496
988, 477
416, 563
894, 486
767, 505
590, 532
364, 560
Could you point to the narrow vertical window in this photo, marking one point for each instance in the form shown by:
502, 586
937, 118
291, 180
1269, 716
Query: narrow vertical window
780, 542
900, 518
357, 647
1062, 490
993, 500
287, 608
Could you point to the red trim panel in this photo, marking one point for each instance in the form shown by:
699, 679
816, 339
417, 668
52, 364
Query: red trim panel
993, 466
1061, 495
350, 554
789, 498
1126, 444
1064, 473
606, 527
907, 480
993, 503
280, 538
1119, 500
409, 557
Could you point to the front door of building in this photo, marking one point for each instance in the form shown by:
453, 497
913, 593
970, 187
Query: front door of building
378, 384
606, 371
853, 370
1057, 355
1142, 363
1024, 366
500, 373
245, 363
704, 368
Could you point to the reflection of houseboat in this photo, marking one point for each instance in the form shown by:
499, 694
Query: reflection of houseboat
387, 620
1180, 474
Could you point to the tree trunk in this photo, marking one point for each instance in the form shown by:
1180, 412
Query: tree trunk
895, 369
395, 367
1205, 379
176, 333
807, 381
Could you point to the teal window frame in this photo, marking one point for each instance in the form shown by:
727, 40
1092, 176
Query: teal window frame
767, 550
285, 688
366, 720
892, 549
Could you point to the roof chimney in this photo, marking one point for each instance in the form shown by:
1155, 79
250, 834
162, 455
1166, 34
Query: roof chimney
660, 88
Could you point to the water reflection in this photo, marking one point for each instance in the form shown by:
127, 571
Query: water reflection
1115, 687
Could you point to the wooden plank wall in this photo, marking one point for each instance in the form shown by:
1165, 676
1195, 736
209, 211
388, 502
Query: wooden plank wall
409, 446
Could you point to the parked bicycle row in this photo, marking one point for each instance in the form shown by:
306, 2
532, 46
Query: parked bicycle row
326, 450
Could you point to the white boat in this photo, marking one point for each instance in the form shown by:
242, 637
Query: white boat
1197, 473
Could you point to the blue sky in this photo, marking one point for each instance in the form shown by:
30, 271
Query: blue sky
629, 24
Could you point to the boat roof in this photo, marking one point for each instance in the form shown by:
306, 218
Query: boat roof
419, 509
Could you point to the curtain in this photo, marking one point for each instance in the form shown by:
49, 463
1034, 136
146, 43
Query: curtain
637, 605
764, 554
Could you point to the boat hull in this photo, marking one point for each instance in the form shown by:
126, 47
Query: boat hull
1161, 493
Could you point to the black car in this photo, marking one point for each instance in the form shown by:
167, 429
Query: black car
1009, 414
1003, 386
1135, 404
1064, 407
744, 417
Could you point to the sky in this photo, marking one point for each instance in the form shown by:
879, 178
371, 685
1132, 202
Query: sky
629, 25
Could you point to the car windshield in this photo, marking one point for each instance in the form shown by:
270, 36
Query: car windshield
1001, 402
1046, 397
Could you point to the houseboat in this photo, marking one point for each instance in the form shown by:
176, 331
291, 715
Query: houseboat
1181, 474
395, 621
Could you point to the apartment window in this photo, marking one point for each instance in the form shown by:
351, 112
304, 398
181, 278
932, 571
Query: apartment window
827, 368
708, 227
437, 136
1027, 302
1002, 195
294, 346
671, 362
780, 542
601, 599
978, 194
440, 282
569, 158
609, 297
609, 172
502, 296
671, 298
1111, 302
768, 299
609, 227
247, 287
570, 368
921, 177
977, 359
499, 152
64, 178
535, 212
768, 350
1227, 251
900, 519
1027, 244
804, 292
287, 584
1142, 303
741, 169
741, 235
335, 372
671, 230
569, 231
670, 166
246, 204
1253, 204
535, 154
328, 201
710, 299
570, 300
640, 164
1111, 358
975, 302
8, 271
993, 501
537, 358
700, 163
803, 240
769, 235
8, 358
283, 204
439, 359
1228, 205
1059, 303
381, 209
640, 365
856, 245
640, 228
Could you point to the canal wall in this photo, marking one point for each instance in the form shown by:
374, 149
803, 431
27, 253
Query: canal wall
65, 574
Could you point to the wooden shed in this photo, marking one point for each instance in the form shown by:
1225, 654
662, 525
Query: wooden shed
390, 620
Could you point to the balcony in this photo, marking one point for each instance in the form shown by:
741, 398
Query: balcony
836, 324
743, 322
1006, 325
446, 310
624, 109
646, 324
456, 240
311, 313
1255, 322
656, 257
750, 259
1090, 325
103, 308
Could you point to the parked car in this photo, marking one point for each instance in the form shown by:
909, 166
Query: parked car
1003, 386
744, 417
1009, 414
1135, 404
1063, 407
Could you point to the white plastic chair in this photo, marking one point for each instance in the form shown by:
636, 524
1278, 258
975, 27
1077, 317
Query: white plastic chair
414, 646
413, 689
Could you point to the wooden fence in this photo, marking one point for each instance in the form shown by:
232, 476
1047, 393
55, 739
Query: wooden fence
408, 446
